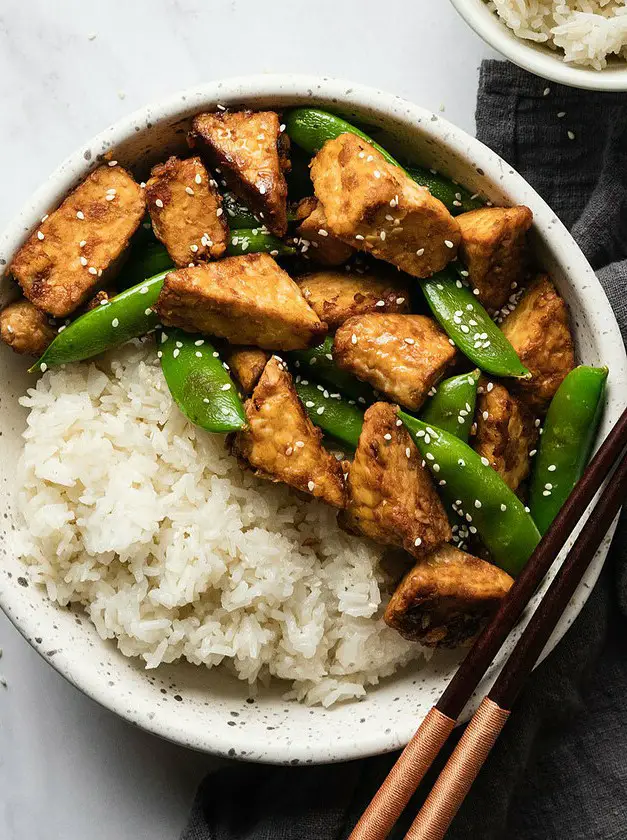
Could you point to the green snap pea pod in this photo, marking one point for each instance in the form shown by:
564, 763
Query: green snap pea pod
145, 261
199, 383
467, 323
317, 363
569, 431
310, 128
331, 412
126, 316
255, 241
452, 407
481, 496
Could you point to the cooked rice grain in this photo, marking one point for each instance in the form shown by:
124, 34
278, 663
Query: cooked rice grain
174, 551
588, 31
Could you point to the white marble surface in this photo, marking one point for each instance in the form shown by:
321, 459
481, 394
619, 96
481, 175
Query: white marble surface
69, 769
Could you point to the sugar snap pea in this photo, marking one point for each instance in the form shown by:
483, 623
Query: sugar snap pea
452, 407
317, 363
256, 240
481, 496
468, 324
126, 316
331, 412
199, 383
569, 431
310, 128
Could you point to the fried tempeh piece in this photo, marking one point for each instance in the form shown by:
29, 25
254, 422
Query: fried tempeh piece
391, 497
247, 300
282, 444
63, 261
403, 356
376, 207
447, 598
539, 332
336, 296
314, 238
247, 365
494, 250
186, 210
251, 153
25, 328
505, 433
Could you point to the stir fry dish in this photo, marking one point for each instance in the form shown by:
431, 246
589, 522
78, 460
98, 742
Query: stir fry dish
365, 331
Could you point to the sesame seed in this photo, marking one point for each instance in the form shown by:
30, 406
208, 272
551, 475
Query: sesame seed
409, 341
92, 270
309, 404
546, 492
115, 322
548, 486
289, 450
399, 422
310, 486
198, 178
485, 415
571, 135
377, 174
561, 114
527, 510
490, 386
159, 203
198, 354
475, 292
189, 191
436, 468
408, 451
109, 197
459, 284
219, 212
380, 303
464, 328
83, 260
359, 236
353, 339
262, 190
546, 91
400, 300
461, 463
320, 410
43, 367
215, 354
551, 468
226, 386
420, 252
80, 215
468, 518
299, 444
387, 436
448, 243
417, 541
451, 342
485, 461
40, 235
536, 422
477, 503
430, 457
382, 235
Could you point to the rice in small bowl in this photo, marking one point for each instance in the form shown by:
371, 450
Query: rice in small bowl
242, 574
581, 43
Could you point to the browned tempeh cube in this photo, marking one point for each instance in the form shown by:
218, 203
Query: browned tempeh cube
65, 259
250, 152
186, 210
505, 433
247, 365
539, 331
313, 237
282, 444
247, 300
494, 250
446, 599
391, 497
375, 206
336, 296
403, 356
25, 328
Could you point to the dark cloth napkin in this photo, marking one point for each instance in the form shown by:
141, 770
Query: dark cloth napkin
559, 769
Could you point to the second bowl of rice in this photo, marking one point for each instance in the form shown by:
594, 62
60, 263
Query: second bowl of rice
580, 43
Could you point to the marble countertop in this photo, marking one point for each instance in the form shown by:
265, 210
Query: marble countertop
67, 69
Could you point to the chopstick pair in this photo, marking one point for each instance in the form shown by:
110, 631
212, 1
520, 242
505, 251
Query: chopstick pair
482, 732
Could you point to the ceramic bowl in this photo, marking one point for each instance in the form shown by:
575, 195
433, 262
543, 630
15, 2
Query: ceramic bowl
538, 58
208, 710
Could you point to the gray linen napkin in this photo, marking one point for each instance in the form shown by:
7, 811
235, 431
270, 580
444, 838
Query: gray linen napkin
559, 769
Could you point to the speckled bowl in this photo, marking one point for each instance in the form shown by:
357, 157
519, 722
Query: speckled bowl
206, 709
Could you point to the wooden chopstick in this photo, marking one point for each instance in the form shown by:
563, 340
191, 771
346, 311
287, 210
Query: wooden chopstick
410, 768
469, 755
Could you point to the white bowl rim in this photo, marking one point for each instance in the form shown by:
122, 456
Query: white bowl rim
81, 673
533, 57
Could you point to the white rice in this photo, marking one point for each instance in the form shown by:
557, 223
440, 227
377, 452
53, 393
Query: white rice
588, 31
175, 551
